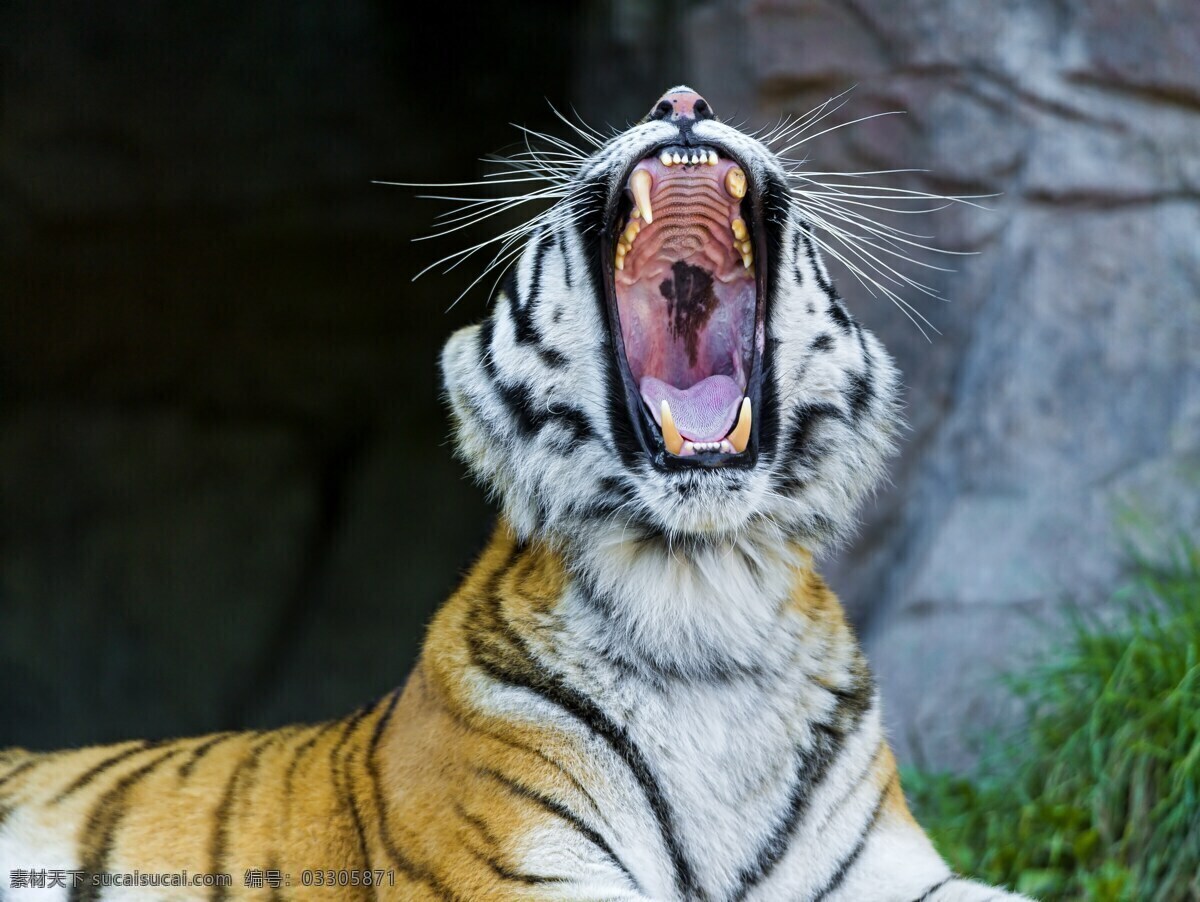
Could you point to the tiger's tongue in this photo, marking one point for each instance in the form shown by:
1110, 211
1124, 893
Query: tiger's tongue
702, 413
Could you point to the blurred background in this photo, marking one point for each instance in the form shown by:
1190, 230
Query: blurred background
226, 494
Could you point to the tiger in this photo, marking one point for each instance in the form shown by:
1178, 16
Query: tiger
642, 690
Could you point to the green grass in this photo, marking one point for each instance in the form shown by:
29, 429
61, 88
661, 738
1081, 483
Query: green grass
1098, 797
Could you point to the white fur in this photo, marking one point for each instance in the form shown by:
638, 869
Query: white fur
676, 622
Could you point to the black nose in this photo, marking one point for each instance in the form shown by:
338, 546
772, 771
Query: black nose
682, 103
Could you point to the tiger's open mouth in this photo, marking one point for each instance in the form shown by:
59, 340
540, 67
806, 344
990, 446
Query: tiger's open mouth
685, 275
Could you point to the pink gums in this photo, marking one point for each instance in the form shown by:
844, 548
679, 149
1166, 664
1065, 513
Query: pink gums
686, 302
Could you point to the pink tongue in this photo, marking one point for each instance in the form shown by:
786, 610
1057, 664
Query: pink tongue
702, 413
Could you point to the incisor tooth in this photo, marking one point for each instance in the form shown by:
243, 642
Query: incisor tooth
712, 158
640, 185
740, 437
735, 182
671, 437
677, 158
739, 229
695, 158
665, 159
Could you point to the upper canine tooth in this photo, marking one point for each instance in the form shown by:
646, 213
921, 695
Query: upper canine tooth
671, 437
665, 159
640, 185
735, 182
740, 437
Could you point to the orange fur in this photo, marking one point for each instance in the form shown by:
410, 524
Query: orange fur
426, 783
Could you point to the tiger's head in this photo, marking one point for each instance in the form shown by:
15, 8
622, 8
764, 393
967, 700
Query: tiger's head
667, 364
669, 354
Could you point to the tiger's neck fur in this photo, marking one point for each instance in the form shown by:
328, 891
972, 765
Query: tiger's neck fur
696, 754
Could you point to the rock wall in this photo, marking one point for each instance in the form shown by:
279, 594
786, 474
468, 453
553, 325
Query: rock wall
1062, 397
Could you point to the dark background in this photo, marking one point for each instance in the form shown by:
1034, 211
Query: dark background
226, 494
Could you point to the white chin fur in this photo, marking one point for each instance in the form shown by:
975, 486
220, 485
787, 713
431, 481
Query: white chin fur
686, 611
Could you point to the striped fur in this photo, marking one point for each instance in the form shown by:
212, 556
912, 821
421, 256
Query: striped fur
642, 690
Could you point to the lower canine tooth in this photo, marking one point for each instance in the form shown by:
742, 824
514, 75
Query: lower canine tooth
671, 437
740, 437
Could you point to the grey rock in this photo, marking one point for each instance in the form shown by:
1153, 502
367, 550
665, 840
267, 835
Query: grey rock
1054, 422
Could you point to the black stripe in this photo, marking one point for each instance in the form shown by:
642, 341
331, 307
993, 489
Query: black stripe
529, 417
299, 752
823, 342
505, 873
859, 394
928, 894
862, 386
521, 309
101, 828
224, 811
812, 768
338, 775
776, 209
406, 865
839, 875
837, 310
797, 256
615, 494
799, 445
93, 772
19, 769
770, 424
566, 814
536, 678
478, 823
529, 750
185, 769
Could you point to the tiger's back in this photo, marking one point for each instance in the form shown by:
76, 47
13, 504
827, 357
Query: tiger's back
206, 810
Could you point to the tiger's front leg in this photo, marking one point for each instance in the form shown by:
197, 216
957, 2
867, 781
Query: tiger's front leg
885, 856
